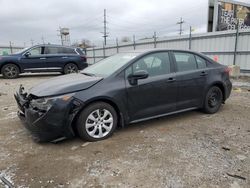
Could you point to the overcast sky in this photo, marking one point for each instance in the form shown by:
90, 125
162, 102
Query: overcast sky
23, 20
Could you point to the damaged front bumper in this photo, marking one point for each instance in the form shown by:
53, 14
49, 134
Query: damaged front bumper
51, 124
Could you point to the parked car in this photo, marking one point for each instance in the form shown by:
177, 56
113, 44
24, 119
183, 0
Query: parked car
43, 58
123, 89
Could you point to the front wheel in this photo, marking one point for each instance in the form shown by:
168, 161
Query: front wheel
10, 71
97, 122
213, 100
70, 68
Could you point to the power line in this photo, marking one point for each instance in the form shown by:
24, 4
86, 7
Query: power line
95, 22
135, 29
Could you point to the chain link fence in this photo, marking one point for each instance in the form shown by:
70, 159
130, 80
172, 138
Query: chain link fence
228, 47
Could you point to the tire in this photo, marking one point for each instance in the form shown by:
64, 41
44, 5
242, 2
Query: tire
92, 127
70, 68
10, 71
213, 100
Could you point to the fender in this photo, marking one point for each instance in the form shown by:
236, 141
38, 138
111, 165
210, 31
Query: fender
221, 85
122, 113
15, 62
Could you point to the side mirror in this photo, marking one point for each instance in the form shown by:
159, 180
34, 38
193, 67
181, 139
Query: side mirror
27, 54
138, 75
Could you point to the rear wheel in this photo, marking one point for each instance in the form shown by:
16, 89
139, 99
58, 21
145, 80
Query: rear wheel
10, 71
97, 122
213, 100
70, 68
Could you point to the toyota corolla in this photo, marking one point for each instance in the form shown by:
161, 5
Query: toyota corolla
123, 89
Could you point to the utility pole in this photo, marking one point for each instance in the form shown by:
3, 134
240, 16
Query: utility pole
180, 23
236, 42
32, 42
105, 28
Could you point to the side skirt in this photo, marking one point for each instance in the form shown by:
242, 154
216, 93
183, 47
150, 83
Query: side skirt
162, 115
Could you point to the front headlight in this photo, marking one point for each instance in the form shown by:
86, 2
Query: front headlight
44, 104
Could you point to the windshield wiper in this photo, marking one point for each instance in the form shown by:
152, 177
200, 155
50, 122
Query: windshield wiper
88, 74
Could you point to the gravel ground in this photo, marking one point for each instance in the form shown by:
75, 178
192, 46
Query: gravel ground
186, 150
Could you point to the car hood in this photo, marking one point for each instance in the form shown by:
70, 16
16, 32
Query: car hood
64, 84
10, 56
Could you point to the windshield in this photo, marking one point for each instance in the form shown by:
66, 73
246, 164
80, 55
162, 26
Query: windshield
22, 50
109, 65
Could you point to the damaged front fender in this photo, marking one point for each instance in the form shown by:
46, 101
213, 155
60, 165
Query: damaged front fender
52, 124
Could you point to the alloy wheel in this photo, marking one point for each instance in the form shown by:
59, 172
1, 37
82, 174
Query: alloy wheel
99, 123
71, 69
10, 71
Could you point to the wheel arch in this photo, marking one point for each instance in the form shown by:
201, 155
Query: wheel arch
107, 100
68, 62
10, 62
221, 86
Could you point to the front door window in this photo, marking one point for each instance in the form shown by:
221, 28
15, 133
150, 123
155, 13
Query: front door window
155, 64
36, 51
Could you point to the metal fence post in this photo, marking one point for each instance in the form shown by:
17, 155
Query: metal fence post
117, 46
154, 39
104, 55
236, 42
134, 41
190, 39
94, 53
11, 50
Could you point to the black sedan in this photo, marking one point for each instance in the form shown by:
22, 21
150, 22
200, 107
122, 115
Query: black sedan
43, 58
123, 89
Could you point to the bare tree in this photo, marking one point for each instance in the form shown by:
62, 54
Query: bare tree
85, 43
126, 39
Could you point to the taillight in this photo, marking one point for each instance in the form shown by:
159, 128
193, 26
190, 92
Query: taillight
84, 58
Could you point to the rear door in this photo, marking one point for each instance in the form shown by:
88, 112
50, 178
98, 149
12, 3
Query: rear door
191, 76
54, 58
36, 61
156, 94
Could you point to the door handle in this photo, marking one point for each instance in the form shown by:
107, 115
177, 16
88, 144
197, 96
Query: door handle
64, 57
171, 80
43, 58
203, 73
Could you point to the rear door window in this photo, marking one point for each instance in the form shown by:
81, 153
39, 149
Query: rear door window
185, 61
52, 50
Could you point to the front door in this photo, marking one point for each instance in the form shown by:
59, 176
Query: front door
35, 61
156, 94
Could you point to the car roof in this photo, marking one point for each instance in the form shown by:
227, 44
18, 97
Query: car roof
142, 51
54, 45
146, 51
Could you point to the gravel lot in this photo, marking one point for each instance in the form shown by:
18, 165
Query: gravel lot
186, 150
